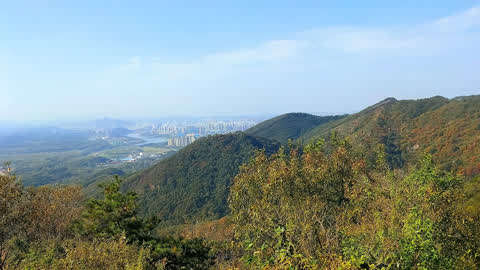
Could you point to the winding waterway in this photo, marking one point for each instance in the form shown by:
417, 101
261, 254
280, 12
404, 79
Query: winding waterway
147, 140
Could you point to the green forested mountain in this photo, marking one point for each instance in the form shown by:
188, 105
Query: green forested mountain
194, 183
449, 129
289, 126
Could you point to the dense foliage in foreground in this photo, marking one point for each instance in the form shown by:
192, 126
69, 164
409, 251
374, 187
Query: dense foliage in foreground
50, 228
323, 207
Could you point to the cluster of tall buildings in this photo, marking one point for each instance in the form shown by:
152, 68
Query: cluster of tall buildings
201, 127
167, 129
182, 133
181, 141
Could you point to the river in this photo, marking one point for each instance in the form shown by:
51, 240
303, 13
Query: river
147, 140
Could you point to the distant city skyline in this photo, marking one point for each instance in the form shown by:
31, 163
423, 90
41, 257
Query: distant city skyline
72, 61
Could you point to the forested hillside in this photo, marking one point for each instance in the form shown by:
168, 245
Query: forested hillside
447, 129
194, 183
289, 126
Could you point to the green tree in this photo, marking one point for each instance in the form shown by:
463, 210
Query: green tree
114, 215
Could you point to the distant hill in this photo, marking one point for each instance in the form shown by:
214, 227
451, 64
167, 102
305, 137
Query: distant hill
289, 126
193, 184
449, 129
48, 139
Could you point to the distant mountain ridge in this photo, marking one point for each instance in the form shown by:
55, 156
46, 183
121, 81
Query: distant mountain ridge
449, 129
51, 139
289, 126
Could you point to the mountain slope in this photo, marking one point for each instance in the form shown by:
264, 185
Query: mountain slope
448, 129
194, 184
289, 126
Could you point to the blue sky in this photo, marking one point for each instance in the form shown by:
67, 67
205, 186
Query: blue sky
64, 60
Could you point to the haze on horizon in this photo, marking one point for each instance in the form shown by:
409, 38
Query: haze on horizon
123, 59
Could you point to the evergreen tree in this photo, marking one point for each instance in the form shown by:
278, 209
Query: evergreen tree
114, 215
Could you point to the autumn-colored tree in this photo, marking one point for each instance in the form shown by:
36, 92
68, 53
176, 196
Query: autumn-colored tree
31, 215
12, 213
284, 207
52, 211
84, 254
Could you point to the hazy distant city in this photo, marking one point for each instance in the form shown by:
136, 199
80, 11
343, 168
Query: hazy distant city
172, 132
162, 135
182, 134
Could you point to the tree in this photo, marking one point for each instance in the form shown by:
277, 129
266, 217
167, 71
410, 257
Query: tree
52, 211
284, 207
12, 213
402, 221
114, 215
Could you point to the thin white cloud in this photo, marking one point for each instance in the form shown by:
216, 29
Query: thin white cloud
218, 64
312, 45
358, 39
463, 21
269, 51
443, 33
